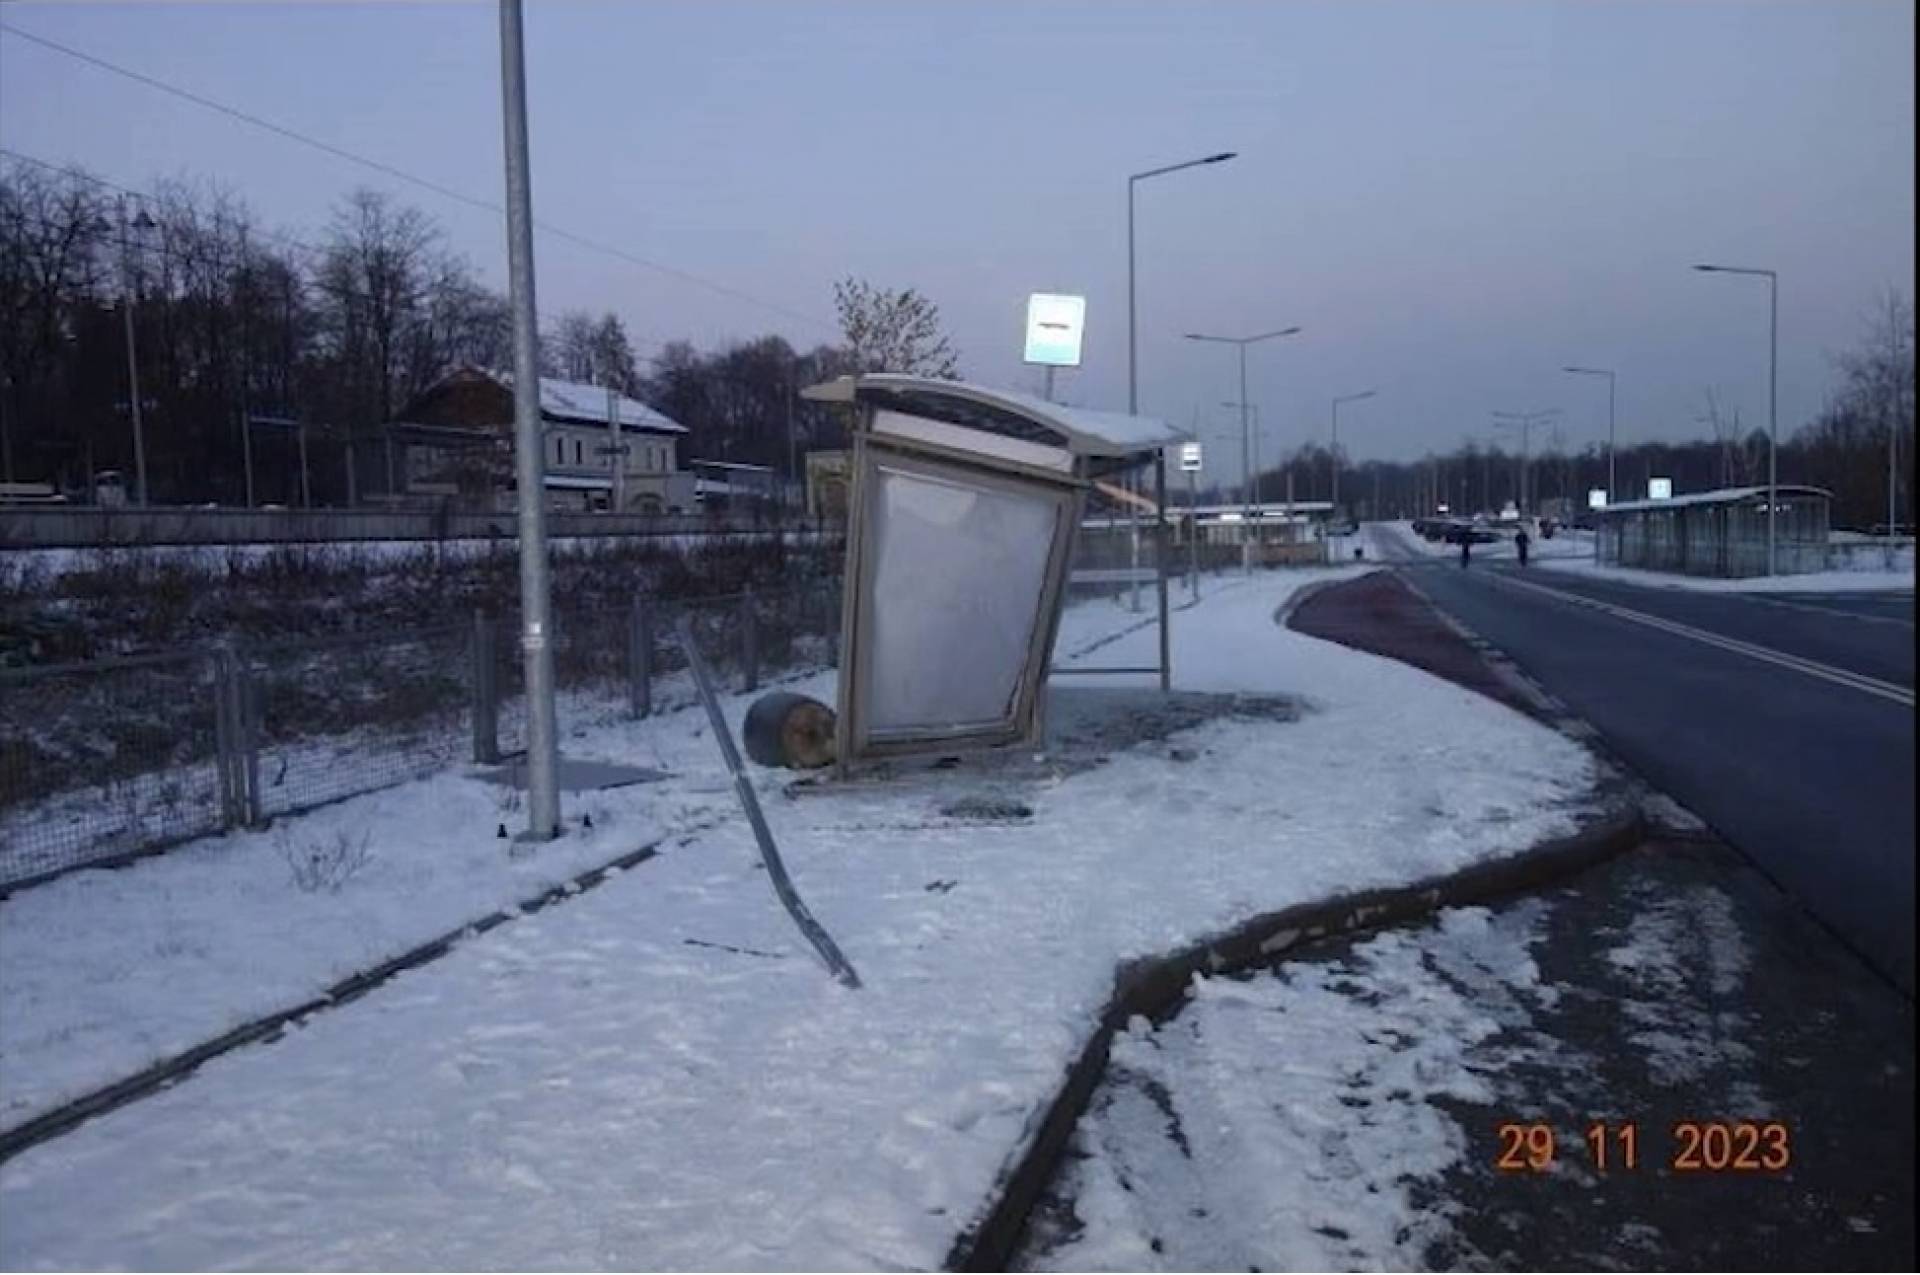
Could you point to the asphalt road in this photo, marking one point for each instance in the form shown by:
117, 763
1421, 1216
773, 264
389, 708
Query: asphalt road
1778, 720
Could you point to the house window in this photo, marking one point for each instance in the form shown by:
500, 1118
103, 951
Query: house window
576, 451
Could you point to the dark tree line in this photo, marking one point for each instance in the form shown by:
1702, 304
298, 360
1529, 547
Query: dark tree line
323, 342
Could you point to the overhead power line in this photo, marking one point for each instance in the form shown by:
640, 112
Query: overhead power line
400, 174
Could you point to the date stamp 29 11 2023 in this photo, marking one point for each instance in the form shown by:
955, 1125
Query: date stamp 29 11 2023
1692, 1146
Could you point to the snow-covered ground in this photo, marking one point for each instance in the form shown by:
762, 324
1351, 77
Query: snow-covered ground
1317, 1117
659, 1073
1284, 1122
1856, 581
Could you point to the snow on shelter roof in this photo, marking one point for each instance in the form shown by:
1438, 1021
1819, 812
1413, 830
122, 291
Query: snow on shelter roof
1084, 432
1722, 496
578, 401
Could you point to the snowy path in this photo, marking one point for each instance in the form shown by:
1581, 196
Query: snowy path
584, 1088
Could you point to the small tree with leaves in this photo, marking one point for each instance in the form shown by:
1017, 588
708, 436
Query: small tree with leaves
893, 331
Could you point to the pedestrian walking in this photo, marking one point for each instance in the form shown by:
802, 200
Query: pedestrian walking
1466, 546
1520, 542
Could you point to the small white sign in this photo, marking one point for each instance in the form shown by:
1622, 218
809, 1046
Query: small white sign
1596, 497
1190, 458
1054, 327
1659, 489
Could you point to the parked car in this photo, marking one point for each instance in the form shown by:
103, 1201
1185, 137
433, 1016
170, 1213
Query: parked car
1466, 531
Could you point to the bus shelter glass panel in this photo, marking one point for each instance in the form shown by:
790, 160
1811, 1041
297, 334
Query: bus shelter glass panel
959, 576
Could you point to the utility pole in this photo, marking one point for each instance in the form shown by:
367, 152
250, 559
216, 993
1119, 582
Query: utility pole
617, 450
306, 488
543, 792
127, 287
1333, 457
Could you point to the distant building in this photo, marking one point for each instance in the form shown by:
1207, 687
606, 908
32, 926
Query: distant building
454, 442
731, 486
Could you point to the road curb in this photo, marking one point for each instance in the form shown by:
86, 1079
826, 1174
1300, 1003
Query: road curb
1155, 987
174, 1068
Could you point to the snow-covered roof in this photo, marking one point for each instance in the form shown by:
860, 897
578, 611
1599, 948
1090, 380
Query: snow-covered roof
578, 401
1722, 496
1085, 431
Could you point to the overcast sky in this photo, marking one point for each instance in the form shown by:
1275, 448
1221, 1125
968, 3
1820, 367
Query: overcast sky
1452, 199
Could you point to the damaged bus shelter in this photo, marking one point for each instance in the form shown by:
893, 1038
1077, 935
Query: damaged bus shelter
964, 505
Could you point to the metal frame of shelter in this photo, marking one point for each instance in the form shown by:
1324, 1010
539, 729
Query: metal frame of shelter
993, 441
1716, 533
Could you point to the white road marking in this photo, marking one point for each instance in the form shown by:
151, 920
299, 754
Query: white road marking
1820, 610
1812, 668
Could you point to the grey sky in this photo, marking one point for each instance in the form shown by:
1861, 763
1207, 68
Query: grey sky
1454, 200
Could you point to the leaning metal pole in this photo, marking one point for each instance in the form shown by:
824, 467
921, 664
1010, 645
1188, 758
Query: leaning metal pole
790, 899
536, 629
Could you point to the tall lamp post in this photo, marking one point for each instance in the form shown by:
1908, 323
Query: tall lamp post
1246, 428
1333, 458
1133, 379
1600, 371
1133, 374
140, 225
536, 636
1773, 385
1250, 470
1524, 422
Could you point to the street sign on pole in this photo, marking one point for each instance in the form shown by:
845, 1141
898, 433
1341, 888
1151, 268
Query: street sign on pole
1596, 497
1055, 324
1190, 458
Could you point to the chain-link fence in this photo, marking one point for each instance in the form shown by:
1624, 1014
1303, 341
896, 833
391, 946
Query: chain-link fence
108, 758
113, 758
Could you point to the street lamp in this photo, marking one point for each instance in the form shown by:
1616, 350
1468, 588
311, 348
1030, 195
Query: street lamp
1133, 377
1773, 384
141, 225
1246, 429
1524, 422
1250, 472
1334, 458
1133, 381
1600, 371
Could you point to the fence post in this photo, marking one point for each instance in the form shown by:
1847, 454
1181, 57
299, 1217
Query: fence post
223, 740
749, 641
486, 697
248, 709
834, 605
640, 657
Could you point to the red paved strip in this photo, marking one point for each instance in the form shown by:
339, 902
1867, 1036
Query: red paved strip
1379, 614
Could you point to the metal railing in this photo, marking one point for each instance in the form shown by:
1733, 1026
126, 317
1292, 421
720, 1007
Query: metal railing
107, 760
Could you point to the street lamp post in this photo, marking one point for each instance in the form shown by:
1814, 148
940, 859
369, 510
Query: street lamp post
1246, 428
1600, 371
1249, 467
1524, 422
536, 635
1133, 376
1773, 385
1333, 459
142, 223
1133, 381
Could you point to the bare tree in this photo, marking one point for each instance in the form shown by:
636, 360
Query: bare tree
889, 331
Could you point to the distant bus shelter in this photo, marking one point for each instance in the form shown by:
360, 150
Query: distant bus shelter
1717, 533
